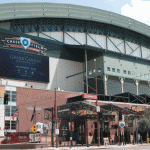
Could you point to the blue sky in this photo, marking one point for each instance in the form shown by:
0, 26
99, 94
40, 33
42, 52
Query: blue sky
136, 9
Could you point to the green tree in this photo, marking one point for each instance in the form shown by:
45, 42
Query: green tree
144, 121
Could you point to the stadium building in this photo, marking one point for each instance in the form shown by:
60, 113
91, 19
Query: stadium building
46, 45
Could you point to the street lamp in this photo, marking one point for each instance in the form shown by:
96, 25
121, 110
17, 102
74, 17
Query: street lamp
98, 129
56, 117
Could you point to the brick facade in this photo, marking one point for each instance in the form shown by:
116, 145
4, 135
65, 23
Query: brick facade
44, 98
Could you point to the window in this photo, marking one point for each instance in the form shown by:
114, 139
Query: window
133, 73
138, 74
113, 69
13, 110
142, 75
124, 71
7, 110
99, 70
108, 68
129, 72
118, 70
147, 76
7, 124
90, 72
12, 94
13, 125
93, 70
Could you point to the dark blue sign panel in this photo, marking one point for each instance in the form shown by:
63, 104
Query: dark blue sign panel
24, 66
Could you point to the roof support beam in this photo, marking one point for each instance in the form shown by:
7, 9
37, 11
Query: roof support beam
114, 45
73, 38
134, 50
49, 36
94, 40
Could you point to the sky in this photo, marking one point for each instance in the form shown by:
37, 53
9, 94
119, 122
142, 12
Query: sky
135, 9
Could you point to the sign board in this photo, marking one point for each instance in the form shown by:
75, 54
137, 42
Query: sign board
121, 124
57, 131
89, 96
2, 91
34, 128
70, 138
31, 108
97, 108
24, 66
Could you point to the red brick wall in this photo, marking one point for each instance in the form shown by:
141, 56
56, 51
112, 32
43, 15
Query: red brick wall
44, 98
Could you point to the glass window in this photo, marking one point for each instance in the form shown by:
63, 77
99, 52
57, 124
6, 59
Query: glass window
129, 72
108, 68
147, 76
7, 110
138, 74
133, 73
7, 124
113, 69
118, 70
124, 71
13, 125
90, 72
99, 70
13, 110
13, 95
142, 75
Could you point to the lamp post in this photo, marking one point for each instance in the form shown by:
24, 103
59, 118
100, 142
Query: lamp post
98, 127
56, 120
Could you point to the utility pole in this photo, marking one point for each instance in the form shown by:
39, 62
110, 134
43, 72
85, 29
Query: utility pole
98, 124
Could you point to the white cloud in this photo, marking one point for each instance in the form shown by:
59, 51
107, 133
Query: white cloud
138, 10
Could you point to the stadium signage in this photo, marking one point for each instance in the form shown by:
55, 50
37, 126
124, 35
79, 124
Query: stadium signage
24, 66
89, 96
24, 43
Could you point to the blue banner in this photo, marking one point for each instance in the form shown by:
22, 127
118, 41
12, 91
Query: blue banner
23, 66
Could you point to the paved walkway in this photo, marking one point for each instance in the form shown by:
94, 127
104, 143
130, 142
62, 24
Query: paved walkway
94, 147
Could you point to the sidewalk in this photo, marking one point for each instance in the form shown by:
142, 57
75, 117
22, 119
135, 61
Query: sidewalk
94, 147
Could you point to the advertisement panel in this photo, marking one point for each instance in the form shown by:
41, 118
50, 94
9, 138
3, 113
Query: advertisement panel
2, 91
23, 66
89, 96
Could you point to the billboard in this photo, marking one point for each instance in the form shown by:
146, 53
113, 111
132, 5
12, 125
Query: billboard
23, 66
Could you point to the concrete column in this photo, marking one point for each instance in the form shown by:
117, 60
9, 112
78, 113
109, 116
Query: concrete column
122, 81
149, 84
137, 86
105, 78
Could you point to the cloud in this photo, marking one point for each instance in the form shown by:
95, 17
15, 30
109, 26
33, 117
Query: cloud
138, 10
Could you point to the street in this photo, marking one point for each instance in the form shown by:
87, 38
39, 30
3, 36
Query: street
143, 147
111, 147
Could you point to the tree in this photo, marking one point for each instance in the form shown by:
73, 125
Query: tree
144, 121
131, 121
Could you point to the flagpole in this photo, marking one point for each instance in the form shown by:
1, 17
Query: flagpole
18, 118
35, 112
